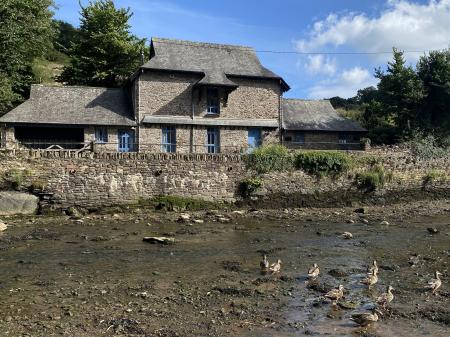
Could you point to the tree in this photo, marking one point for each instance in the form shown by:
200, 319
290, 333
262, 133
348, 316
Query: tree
434, 71
66, 35
400, 92
105, 52
26, 32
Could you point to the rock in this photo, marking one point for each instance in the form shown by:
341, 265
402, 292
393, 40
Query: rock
184, 217
12, 203
224, 220
384, 223
3, 226
347, 235
198, 221
432, 230
161, 239
350, 221
364, 221
360, 210
239, 212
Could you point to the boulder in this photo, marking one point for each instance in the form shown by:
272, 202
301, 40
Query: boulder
12, 203
3, 226
161, 240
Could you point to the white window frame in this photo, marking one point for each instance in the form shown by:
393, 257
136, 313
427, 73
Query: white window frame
212, 105
168, 139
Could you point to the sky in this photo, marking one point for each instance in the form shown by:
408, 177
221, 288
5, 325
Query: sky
301, 30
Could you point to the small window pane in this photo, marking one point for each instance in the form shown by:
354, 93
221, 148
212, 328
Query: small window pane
101, 135
212, 101
213, 140
169, 139
299, 138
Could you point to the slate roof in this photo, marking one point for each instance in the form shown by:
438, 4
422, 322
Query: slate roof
217, 62
73, 106
315, 115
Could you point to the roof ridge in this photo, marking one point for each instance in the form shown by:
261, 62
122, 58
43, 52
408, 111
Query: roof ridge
306, 100
201, 44
72, 86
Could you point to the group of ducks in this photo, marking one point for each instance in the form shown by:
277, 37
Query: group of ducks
362, 319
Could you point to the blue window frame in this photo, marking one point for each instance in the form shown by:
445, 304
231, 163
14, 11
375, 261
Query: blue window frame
212, 101
169, 139
213, 140
299, 138
126, 140
101, 135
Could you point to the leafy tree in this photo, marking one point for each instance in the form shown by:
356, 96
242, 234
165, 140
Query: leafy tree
26, 32
66, 34
400, 92
434, 71
105, 53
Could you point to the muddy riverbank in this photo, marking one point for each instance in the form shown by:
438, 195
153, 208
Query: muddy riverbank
94, 276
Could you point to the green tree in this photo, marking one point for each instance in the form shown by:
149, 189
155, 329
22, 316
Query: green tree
401, 93
26, 32
66, 35
434, 71
105, 53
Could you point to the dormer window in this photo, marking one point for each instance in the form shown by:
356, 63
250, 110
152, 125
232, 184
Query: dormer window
212, 101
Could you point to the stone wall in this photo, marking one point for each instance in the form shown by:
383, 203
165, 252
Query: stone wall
94, 180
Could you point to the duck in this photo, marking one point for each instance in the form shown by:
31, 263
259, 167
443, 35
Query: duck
371, 279
435, 284
372, 268
264, 264
386, 298
314, 271
335, 294
364, 319
275, 267
347, 235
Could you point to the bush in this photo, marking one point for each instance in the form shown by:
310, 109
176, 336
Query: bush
250, 185
427, 147
323, 163
431, 177
269, 158
17, 177
371, 180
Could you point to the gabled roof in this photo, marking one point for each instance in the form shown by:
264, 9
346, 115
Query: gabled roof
73, 106
215, 61
315, 115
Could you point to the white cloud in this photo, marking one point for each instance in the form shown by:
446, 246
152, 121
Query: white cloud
403, 24
319, 64
345, 85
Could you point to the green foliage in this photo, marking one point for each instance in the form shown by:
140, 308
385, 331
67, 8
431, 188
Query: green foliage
250, 185
104, 52
26, 32
17, 177
427, 147
66, 35
323, 163
431, 177
269, 158
372, 179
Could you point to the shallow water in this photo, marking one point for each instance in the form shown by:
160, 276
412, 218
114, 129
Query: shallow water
98, 278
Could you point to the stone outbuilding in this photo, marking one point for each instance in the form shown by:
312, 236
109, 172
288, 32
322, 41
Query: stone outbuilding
190, 97
315, 124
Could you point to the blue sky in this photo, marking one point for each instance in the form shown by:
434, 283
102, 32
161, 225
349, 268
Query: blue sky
298, 26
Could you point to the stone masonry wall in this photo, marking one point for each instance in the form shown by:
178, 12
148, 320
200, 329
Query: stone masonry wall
103, 179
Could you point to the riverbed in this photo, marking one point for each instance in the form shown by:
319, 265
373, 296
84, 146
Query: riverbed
95, 276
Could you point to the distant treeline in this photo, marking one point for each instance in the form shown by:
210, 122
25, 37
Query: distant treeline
407, 103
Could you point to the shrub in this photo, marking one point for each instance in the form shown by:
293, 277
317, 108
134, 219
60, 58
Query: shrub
250, 185
371, 180
427, 147
323, 163
269, 158
17, 177
431, 177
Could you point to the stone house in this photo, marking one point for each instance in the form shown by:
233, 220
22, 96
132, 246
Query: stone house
189, 97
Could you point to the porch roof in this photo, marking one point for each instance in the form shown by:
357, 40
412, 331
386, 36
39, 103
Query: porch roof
180, 120
73, 105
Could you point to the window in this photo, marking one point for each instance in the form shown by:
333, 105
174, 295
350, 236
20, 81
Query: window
101, 135
169, 139
212, 101
343, 138
213, 140
299, 138
126, 140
